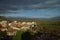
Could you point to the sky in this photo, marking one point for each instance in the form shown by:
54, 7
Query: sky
30, 8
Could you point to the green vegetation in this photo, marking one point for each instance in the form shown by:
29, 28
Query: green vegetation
18, 36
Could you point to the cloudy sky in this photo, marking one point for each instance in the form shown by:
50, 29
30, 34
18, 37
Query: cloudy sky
30, 8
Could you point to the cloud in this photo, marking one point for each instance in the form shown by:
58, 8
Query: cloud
13, 5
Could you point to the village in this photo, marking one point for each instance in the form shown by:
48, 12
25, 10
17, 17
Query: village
12, 27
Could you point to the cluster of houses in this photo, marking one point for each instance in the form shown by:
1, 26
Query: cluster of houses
12, 27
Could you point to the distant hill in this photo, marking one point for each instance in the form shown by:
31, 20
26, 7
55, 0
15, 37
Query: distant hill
20, 18
56, 18
27, 18
2, 18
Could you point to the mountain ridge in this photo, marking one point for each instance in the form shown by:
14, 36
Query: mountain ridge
28, 18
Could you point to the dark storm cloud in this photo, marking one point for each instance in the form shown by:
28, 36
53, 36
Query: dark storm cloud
13, 5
